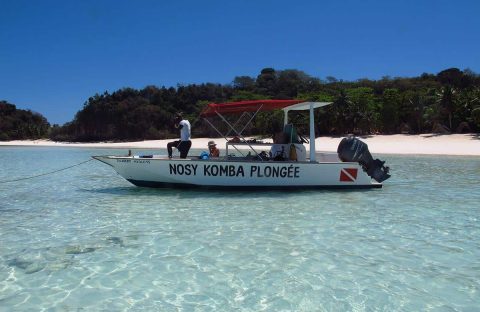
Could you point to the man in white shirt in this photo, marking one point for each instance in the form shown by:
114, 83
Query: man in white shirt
184, 144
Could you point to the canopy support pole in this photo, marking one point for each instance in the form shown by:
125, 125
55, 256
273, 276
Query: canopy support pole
312, 134
221, 134
240, 133
235, 124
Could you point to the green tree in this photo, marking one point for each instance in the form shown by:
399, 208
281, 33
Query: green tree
447, 101
362, 110
390, 110
266, 82
19, 124
244, 83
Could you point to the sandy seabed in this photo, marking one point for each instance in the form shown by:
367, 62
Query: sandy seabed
424, 144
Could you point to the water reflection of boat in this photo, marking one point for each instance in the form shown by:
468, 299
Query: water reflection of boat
286, 165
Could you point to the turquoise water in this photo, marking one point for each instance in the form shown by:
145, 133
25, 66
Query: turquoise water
85, 239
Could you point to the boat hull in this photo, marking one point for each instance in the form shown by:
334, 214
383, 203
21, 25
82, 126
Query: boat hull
232, 174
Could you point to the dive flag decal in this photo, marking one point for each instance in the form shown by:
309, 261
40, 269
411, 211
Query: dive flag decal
348, 174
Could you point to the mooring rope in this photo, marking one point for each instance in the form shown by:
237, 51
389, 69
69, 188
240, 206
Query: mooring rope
46, 173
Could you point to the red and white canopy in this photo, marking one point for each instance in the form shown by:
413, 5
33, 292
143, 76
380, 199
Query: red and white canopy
247, 106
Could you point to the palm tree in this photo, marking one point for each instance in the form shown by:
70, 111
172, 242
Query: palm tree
446, 100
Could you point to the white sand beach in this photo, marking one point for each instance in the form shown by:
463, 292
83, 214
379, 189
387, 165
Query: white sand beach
424, 144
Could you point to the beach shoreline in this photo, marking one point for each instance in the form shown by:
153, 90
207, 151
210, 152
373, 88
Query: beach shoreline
403, 144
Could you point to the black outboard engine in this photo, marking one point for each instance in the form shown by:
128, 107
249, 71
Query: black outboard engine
353, 150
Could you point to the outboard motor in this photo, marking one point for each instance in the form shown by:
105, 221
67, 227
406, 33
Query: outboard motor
353, 150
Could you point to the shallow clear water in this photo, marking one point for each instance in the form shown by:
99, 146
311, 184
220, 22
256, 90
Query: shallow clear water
86, 239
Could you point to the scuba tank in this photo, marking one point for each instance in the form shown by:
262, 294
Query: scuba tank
293, 153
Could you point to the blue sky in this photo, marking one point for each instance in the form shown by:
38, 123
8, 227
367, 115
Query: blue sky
54, 55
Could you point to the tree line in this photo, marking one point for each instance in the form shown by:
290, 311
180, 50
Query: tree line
19, 124
447, 102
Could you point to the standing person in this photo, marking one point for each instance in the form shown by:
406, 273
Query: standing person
184, 144
212, 147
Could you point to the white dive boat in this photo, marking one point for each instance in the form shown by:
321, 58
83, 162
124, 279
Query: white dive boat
285, 166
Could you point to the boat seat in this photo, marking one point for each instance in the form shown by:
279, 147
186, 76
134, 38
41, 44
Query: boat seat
282, 151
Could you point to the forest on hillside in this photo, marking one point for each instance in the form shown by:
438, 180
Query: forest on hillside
446, 102
19, 124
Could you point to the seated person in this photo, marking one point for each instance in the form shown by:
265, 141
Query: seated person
212, 147
291, 134
280, 138
278, 152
